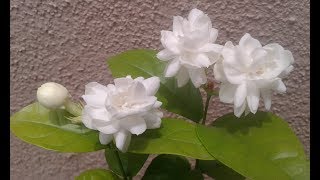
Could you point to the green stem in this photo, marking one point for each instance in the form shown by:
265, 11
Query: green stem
119, 161
203, 121
205, 109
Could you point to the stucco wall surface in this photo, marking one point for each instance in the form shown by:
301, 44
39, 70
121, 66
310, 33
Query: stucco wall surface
68, 41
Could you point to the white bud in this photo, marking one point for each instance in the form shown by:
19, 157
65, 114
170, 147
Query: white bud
52, 95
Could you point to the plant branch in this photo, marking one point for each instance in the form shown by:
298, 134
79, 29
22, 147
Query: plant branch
203, 121
205, 109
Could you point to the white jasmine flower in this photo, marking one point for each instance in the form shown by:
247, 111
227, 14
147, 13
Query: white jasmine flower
249, 70
117, 111
189, 48
52, 95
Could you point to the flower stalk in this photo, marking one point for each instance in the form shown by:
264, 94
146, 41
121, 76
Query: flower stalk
206, 109
203, 121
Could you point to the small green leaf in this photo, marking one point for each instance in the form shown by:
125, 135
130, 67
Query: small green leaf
218, 171
185, 101
173, 137
131, 162
259, 147
51, 130
171, 167
97, 174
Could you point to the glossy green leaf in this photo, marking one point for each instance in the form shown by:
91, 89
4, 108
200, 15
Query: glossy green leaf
185, 101
175, 136
219, 171
97, 174
260, 146
51, 130
171, 167
131, 162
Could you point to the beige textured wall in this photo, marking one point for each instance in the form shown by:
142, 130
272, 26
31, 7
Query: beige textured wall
68, 41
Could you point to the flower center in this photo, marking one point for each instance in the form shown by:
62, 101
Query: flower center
122, 100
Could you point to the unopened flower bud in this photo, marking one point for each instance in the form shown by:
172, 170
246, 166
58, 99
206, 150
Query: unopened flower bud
52, 95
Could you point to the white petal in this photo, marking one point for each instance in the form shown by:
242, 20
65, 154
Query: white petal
259, 56
240, 59
105, 138
194, 15
153, 119
263, 83
287, 56
233, 75
253, 95
111, 88
165, 55
194, 40
95, 100
137, 106
284, 60
249, 43
122, 139
87, 120
227, 92
97, 113
199, 20
213, 35
197, 76
157, 104
240, 95
281, 59
152, 85
258, 53
122, 82
170, 41
189, 61
182, 77
203, 60
139, 79
228, 45
109, 129
246, 111
95, 88
218, 72
137, 91
142, 102
100, 123
286, 72
238, 111
172, 68
177, 25
266, 95
136, 125
211, 47
233, 65
279, 86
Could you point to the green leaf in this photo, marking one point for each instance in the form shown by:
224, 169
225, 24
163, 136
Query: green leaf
171, 167
218, 171
97, 174
131, 162
173, 137
260, 146
185, 101
51, 130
